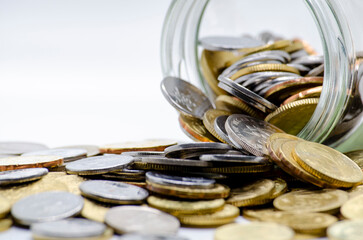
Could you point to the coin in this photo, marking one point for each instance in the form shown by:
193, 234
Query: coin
227, 215
71, 181
143, 153
20, 147
21, 175
253, 231
209, 118
233, 160
99, 164
146, 220
357, 157
251, 194
4, 206
140, 236
16, 233
293, 117
68, 228
308, 93
234, 105
279, 188
20, 162
176, 208
358, 190
92, 150
325, 200
218, 191
166, 162
352, 209
94, 211
181, 150
264, 67
317, 71
309, 60
185, 97
68, 154
344, 230
146, 145
224, 43
113, 192
250, 133
194, 128
32, 209
219, 127
328, 164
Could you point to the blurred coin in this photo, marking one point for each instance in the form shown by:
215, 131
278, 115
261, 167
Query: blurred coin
185, 97
233, 160
166, 161
357, 157
68, 154
353, 208
19, 162
309, 60
234, 105
113, 192
20, 147
264, 67
145, 145
21, 175
94, 211
265, 76
209, 118
132, 219
194, 128
174, 180
193, 149
224, 43
317, 71
143, 153
298, 54
92, 150
68, 228
347, 229
358, 190
250, 133
5, 206
308, 93
16, 233
99, 164
140, 236
59, 205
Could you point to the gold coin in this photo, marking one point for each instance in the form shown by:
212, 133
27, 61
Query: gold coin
208, 120
346, 230
252, 194
293, 47
94, 211
218, 191
194, 128
20, 162
107, 235
279, 188
145, 145
274, 143
240, 169
278, 93
227, 215
308, 93
293, 116
325, 200
353, 208
72, 182
328, 164
264, 67
5, 224
186, 207
358, 190
254, 231
235, 105
4, 206
357, 157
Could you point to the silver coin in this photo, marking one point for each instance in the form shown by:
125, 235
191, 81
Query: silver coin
167, 161
265, 75
247, 95
68, 228
346, 229
117, 177
193, 150
309, 60
92, 150
21, 175
219, 127
113, 192
224, 43
20, 147
143, 153
257, 80
99, 164
46, 206
317, 71
132, 172
226, 159
260, 88
166, 179
135, 236
16, 233
249, 132
260, 62
298, 54
185, 97
269, 37
145, 220
67, 154
302, 68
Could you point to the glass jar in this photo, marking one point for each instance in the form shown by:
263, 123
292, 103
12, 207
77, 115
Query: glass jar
335, 24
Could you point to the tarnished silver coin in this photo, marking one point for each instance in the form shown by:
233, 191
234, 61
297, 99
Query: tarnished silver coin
136, 236
250, 132
99, 164
185, 97
174, 180
113, 192
92, 150
174, 161
21, 175
145, 220
46, 206
20, 147
225, 159
16, 233
180, 149
68, 154
68, 228
224, 43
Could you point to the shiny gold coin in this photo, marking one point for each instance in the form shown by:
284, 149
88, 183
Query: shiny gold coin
358, 190
218, 191
274, 143
186, 207
20, 162
357, 157
235, 105
94, 211
254, 231
328, 164
308, 93
346, 230
325, 200
194, 128
252, 194
278, 93
227, 215
5, 224
264, 67
145, 145
240, 169
293, 116
353, 208
4, 206
208, 121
